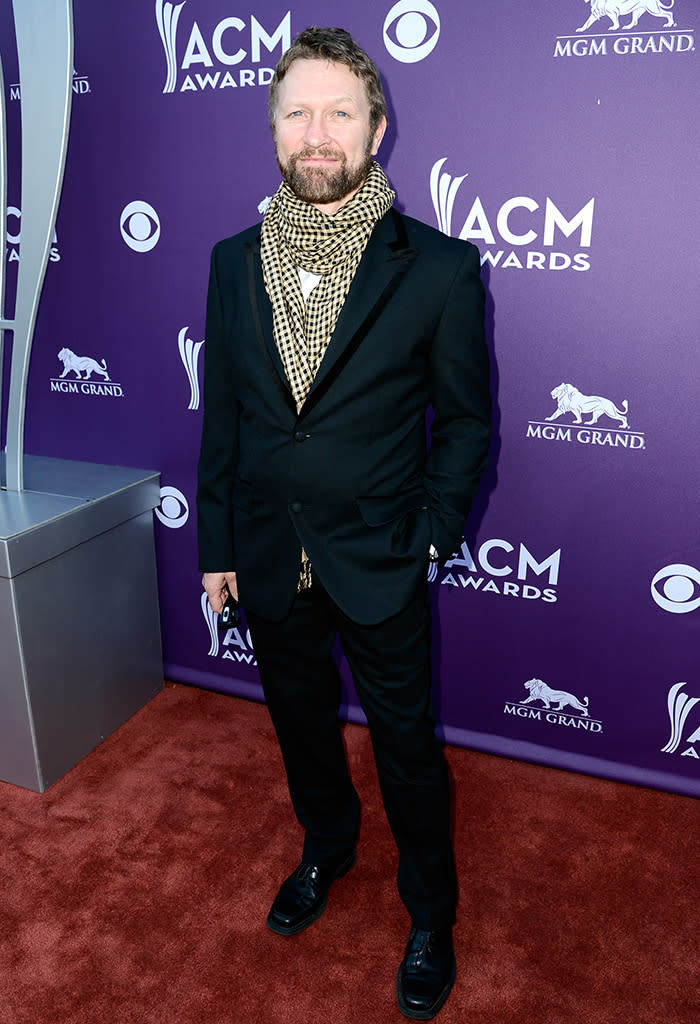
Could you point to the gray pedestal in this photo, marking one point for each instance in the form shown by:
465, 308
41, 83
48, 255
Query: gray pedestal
79, 626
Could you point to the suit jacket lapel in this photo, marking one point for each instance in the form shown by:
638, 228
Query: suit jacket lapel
262, 316
381, 269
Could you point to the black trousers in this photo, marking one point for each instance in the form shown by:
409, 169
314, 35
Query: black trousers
390, 663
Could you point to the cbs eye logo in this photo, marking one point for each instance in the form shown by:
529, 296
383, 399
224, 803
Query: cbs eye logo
676, 588
411, 30
140, 226
174, 510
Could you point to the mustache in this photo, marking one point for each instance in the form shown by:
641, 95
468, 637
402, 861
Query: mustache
324, 152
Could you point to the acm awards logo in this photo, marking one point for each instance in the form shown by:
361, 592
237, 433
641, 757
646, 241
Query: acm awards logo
227, 55
679, 707
654, 36
556, 707
233, 645
14, 237
497, 568
571, 427
524, 234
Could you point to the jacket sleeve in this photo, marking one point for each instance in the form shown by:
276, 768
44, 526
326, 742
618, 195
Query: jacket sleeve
219, 448
461, 404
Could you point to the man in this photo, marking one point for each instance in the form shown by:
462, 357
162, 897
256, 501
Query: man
330, 330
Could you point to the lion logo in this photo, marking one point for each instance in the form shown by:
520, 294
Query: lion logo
613, 9
570, 399
81, 364
540, 691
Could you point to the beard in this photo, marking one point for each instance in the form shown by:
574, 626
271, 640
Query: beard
320, 185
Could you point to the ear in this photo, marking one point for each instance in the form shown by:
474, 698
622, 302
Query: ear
378, 135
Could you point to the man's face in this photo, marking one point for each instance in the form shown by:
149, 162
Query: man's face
322, 137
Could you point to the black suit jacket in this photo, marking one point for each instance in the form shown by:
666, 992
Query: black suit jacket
349, 477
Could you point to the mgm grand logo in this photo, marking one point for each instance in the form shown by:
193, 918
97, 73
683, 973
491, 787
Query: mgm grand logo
556, 707
613, 432
77, 373
661, 36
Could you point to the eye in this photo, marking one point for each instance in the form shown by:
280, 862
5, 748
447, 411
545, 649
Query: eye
676, 588
174, 510
411, 30
140, 226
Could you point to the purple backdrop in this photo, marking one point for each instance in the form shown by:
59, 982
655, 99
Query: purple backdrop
570, 157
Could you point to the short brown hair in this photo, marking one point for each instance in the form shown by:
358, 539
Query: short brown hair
337, 46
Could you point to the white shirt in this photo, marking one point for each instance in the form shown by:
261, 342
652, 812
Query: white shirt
308, 282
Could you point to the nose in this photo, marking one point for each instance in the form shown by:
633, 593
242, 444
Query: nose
316, 133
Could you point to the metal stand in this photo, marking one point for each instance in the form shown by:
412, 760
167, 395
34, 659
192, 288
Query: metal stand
80, 644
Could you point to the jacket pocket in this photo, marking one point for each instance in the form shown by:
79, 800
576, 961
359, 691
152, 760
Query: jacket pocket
378, 510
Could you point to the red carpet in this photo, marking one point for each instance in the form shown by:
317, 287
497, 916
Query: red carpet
136, 889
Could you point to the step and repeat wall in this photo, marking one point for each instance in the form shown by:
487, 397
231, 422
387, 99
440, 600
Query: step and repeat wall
561, 138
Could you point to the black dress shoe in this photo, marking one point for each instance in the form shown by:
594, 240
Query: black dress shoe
427, 973
302, 897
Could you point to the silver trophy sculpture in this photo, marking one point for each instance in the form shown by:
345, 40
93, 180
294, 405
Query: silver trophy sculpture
80, 646
44, 34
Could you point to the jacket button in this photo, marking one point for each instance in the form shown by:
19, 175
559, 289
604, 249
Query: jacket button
295, 506
299, 435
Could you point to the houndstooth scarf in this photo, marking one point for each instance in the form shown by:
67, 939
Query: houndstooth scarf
296, 234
